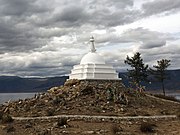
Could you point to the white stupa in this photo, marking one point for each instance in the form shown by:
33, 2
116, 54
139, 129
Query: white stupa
93, 67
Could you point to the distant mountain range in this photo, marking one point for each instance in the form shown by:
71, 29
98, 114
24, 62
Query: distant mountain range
9, 84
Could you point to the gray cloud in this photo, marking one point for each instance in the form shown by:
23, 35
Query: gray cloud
161, 6
71, 16
153, 44
29, 24
44, 38
147, 39
21, 7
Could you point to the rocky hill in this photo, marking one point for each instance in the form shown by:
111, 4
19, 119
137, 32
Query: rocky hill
90, 98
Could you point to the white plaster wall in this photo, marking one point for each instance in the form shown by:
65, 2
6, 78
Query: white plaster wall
93, 71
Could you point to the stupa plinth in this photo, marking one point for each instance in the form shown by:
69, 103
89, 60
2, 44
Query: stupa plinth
93, 67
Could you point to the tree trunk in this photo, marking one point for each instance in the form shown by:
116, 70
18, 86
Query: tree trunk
163, 88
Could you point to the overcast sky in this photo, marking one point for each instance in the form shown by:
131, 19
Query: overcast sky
47, 37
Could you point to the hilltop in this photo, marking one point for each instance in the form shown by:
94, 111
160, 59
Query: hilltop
92, 98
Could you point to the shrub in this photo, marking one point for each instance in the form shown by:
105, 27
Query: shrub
45, 132
62, 122
87, 90
50, 112
10, 128
178, 116
178, 113
28, 125
57, 100
147, 127
97, 109
7, 118
110, 94
133, 113
116, 129
1, 115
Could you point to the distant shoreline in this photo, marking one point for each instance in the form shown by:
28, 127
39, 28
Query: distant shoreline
149, 91
160, 91
26, 92
5, 97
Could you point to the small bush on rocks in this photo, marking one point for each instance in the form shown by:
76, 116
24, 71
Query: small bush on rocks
57, 100
1, 115
6, 118
9, 128
178, 114
87, 90
45, 132
98, 110
62, 122
50, 112
116, 129
28, 125
147, 127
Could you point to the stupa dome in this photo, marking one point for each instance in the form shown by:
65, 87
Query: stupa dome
93, 66
92, 58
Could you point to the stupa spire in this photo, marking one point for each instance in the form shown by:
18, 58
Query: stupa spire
92, 49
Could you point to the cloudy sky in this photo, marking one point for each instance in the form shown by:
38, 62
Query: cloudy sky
47, 37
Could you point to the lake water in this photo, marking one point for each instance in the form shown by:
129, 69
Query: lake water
4, 97
176, 95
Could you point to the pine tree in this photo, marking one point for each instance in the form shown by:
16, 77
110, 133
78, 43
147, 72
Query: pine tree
138, 73
160, 71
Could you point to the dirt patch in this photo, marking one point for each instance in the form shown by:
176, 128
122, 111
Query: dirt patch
74, 127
